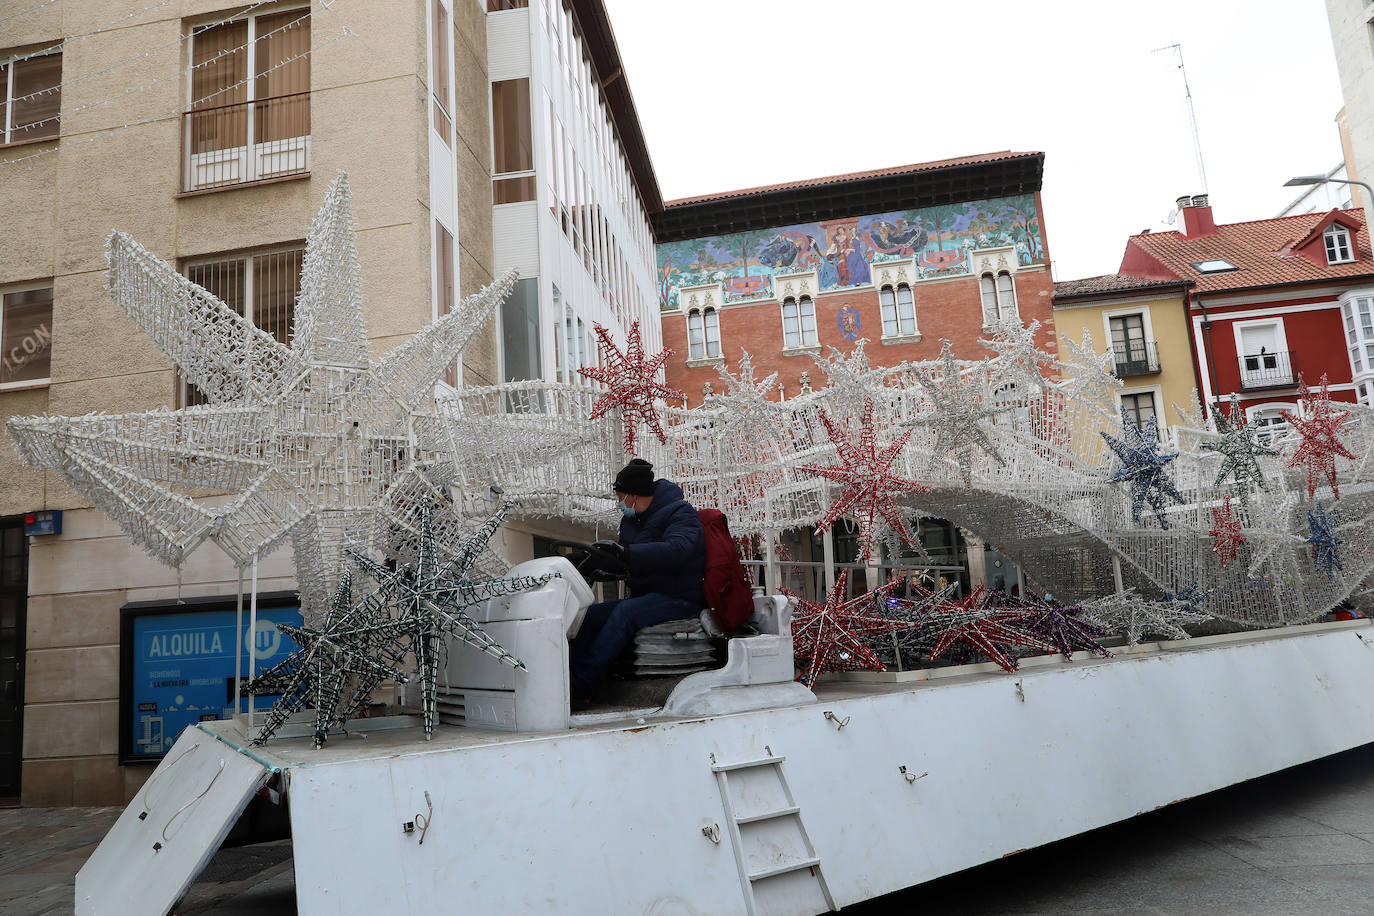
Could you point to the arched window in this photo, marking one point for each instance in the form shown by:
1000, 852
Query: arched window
1338, 250
703, 334
798, 323
899, 310
999, 296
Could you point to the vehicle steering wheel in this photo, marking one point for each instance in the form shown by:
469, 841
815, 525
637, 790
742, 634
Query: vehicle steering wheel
584, 557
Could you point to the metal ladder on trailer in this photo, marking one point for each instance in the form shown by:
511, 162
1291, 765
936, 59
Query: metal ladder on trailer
743, 842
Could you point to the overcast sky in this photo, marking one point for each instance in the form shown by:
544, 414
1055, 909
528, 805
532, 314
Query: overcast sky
739, 93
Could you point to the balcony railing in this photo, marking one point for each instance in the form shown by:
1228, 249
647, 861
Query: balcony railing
1137, 357
217, 147
1278, 369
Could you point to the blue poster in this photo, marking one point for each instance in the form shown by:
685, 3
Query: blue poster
183, 669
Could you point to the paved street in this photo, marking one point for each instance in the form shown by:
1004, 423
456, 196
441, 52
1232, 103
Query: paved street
1299, 842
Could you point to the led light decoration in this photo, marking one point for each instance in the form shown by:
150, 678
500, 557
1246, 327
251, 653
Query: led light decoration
833, 636
1319, 425
1326, 544
1142, 464
632, 384
1089, 376
986, 629
1019, 360
1133, 616
1225, 532
959, 410
869, 486
1239, 451
313, 442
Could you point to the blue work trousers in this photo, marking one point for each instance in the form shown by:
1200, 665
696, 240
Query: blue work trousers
609, 626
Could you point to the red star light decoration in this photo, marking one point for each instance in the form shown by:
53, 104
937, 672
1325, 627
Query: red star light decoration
985, 630
632, 383
868, 481
1225, 532
832, 636
1319, 426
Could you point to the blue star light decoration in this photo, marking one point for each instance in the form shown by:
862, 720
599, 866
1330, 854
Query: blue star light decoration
1142, 464
1239, 451
1326, 554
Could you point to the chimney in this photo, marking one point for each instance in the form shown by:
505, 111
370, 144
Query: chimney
1197, 216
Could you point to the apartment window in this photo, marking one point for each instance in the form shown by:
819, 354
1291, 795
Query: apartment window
798, 323
1338, 248
1268, 422
26, 334
512, 154
261, 286
703, 334
999, 296
520, 356
444, 286
899, 310
1139, 407
496, 6
250, 101
441, 90
30, 98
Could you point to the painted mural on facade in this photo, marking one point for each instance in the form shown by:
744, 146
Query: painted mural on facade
842, 251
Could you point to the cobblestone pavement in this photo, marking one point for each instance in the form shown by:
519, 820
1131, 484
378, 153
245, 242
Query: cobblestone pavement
1295, 843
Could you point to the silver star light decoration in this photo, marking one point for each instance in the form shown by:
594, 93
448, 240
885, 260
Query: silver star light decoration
1133, 616
1019, 359
1089, 376
312, 442
1239, 451
959, 408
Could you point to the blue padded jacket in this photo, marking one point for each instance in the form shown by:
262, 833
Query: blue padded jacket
665, 546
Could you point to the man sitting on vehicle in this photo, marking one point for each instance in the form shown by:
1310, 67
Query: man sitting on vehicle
664, 551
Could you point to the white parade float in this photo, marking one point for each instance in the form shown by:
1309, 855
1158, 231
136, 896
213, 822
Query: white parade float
746, 791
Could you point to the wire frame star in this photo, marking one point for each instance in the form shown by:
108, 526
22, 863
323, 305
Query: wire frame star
1018, 358
834, 635
310, 440
959, 407
1089, 376
340, 655
986, 630
423, 605
865, 474
1064, 627
1225, 533
850, 379
748, 403
1142, 465
1239, 450
1325, 543
632, 384
1319, 425
1133, 616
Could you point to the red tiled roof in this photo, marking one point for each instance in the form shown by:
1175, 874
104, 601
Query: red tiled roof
1255, 249
854, 176
1111, 283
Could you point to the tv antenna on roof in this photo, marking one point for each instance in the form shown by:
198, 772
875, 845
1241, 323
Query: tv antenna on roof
1192, 115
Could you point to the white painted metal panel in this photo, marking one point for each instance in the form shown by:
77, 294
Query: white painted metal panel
170, 830
441, 179
508, 44
611, 821
515, 238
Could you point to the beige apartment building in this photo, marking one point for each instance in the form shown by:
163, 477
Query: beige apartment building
210, 132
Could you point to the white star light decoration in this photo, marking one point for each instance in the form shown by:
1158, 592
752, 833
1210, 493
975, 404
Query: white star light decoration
960, 407
1089, 376
1020, 360
632, 384
312, 441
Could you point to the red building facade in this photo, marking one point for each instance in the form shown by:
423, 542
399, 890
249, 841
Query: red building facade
904, 258
1272, 302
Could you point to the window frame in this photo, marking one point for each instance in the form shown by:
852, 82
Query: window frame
890, 304
800, 320
1337, 236
701, 321
1281, 348
1004, 311
27, 286
1156, 393
9, 63
441, 107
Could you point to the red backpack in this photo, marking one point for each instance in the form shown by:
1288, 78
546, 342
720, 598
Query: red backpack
726, 587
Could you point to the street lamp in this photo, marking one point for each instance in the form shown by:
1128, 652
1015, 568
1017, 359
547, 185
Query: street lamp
1302, 180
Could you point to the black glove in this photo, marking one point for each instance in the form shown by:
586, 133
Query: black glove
614, 549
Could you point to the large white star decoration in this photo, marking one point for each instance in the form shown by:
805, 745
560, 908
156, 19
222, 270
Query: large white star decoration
869, 486
849, 378
960, 406
632, 384
1089, 376
748, 405
312, 441
1019, 359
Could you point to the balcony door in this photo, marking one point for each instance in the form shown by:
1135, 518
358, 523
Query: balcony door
1128, 345
1263, 357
